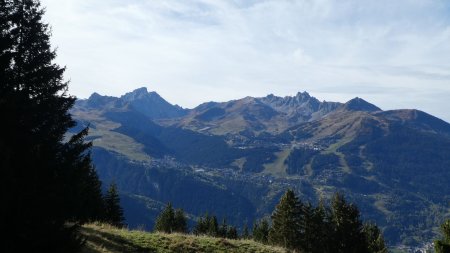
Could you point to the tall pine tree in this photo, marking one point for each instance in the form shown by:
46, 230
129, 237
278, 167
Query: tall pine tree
180, 221
223, 229
348, 235
164, 222
170, 220
213, 226
316, 229
48, 183
286, 222
113, 210
201, 228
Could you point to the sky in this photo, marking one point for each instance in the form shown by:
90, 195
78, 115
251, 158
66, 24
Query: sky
395, 54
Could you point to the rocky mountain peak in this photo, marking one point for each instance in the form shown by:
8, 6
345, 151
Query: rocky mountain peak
151, 104
301, 102
302, 96
359, 104
290, 101
97, 101
136, 94
94, 95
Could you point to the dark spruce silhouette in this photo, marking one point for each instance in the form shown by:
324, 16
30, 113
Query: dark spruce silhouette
48, 182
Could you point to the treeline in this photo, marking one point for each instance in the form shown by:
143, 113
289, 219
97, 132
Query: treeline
173, 220
294, 225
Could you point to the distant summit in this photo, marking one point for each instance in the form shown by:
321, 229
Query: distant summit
96, 100
302, 105
359, 104
291, 102
136, 94
151, 104
253, 115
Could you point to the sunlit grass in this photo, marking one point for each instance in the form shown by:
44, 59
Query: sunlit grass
106, 238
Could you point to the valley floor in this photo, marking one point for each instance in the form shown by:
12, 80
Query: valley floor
105, 238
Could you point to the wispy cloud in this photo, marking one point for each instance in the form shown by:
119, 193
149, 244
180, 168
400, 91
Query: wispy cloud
393, 53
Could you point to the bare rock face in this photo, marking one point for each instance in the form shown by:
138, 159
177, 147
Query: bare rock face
151, 104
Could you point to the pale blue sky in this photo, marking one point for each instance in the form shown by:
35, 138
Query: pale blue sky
395, 54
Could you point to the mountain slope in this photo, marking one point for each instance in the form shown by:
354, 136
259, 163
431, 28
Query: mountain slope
236, 158
395, 169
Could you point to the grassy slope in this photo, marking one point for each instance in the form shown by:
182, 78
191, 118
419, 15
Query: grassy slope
101, 131
278, 167
104, 238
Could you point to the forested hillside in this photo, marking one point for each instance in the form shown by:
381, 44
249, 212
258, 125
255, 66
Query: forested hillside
382, 160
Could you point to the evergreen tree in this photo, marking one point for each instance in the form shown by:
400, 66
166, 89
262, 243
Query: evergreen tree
47, 181
348, 235
232, 233
245, 233
286, 222
316, 229
198, 228
443, 245
113, 210
213, 226
201, 228
208, 225
90, 205
180, 222
374, 238
165, 220
261, 231
223, 229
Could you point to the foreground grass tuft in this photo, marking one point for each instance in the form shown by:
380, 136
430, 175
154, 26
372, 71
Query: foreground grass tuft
105, 238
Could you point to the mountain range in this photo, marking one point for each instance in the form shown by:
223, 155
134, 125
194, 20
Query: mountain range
236, 158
